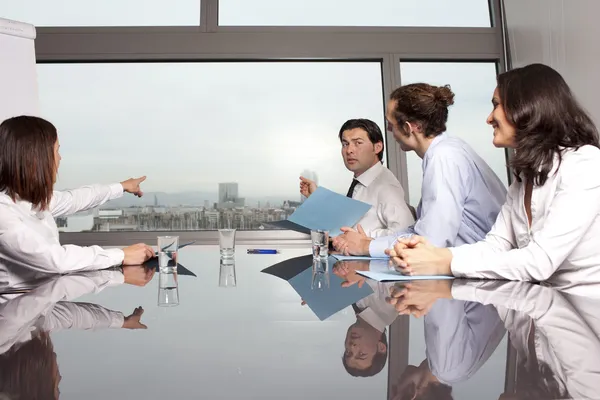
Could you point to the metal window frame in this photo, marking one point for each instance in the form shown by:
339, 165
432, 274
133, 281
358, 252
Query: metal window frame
211, 42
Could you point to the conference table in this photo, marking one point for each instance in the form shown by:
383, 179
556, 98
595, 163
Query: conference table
271, 334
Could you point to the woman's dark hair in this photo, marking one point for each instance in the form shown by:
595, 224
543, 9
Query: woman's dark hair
373, 131
423, 104
27, 165
540, 105
28, 370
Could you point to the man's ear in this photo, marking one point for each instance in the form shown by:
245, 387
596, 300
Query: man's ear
378, 147
381, 347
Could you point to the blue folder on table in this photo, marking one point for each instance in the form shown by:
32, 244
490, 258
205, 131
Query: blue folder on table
327, 210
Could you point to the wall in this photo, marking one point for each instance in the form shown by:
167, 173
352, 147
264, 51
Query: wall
563, 34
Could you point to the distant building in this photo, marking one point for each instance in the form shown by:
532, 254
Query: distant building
228, 196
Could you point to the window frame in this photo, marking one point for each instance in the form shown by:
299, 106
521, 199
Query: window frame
211, 42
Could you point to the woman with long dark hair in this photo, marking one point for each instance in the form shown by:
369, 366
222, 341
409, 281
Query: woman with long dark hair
29, 161
549, 227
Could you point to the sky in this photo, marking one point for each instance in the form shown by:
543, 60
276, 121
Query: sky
189, 126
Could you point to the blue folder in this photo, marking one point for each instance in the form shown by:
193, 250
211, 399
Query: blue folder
327, 210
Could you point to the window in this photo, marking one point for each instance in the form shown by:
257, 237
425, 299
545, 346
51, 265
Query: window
216, 140
102, 13
466, 13
473, 84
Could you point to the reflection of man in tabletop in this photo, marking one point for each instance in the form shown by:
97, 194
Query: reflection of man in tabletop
366, 339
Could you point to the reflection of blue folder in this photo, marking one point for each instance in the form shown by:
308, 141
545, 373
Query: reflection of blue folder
289, 268
181, 270
329, 211
327, 302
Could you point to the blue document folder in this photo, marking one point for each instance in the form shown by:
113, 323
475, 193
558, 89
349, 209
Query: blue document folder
327, 301
327, 210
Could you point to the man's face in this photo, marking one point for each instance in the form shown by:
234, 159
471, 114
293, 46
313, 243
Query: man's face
358, 152
362, 344
404, 139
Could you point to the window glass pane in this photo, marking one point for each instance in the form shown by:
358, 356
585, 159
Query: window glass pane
473, 84
192, 127
102, 13
469, 13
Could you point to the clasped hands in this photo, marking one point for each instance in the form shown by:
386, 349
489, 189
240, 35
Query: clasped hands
412, 255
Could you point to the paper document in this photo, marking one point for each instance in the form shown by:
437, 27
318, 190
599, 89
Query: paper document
327, 210
328, 301
350, 258
386, 276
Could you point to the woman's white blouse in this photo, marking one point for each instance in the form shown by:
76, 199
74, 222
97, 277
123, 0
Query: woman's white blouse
563, 244
29, 238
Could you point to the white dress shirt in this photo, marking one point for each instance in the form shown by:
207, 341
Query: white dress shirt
376, 311
29, 238
562, 337
379, 187
562, 244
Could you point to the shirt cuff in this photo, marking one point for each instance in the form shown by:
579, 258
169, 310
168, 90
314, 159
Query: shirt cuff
378, 246
116, 191
462, 290
116, 256
460, 262
117, 319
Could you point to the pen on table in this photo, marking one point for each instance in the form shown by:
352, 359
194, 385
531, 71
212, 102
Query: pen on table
262, 251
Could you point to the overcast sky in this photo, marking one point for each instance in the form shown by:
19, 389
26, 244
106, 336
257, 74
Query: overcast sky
189, 126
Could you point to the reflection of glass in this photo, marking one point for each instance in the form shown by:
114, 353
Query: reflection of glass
320, 274
320, 243
168, 289
227, 273
473, 83
167, 253
227, 242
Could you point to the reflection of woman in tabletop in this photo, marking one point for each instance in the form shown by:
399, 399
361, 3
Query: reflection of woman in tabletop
28, 363
549, 226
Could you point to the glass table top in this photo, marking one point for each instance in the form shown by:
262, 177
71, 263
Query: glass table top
279, 335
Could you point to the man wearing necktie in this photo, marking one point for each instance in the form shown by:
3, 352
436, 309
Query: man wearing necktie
373, 183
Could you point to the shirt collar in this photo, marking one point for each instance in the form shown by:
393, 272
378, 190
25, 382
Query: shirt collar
439, 138
25, 206
371, 318
367, 177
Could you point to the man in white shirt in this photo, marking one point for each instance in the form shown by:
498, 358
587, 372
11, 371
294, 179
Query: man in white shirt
373, 183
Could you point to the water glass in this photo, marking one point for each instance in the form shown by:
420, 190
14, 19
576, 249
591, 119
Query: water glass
320, 274
320, 243
167, 253
168, 289
227, 243
227, 273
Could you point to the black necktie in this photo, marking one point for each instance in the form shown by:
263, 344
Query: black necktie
352, 186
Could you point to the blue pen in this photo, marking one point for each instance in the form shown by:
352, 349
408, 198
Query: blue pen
262, 251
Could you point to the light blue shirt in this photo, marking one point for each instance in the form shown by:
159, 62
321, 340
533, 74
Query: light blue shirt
460, 197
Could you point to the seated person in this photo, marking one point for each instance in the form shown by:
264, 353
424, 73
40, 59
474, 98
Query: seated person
29, 161
548, 228
460, 195
373, 183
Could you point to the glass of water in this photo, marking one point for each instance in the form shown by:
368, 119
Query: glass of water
320, 274
167, 253
320, 243
227, 243
168, 289
227, 273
